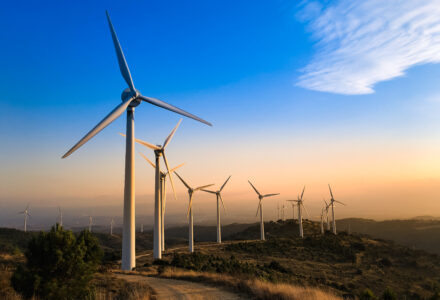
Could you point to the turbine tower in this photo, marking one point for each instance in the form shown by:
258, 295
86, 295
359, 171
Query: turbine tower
26, 215
158, 152
260, 208
60, 216
163, 195
332, 201
301, 204
327, 206
191, 192
219, 196
131, 98
90, 223
322, 220
292, 202
112, 223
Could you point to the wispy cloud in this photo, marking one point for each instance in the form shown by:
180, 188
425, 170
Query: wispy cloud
362, 42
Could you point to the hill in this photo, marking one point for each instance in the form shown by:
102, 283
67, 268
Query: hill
415, 233
346, 264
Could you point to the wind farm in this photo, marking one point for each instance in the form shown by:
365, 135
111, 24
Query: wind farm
337, 97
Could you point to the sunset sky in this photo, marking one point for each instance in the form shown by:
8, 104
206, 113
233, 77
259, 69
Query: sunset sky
340, 92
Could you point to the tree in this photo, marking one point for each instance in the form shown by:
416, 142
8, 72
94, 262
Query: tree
58, 265
367, 294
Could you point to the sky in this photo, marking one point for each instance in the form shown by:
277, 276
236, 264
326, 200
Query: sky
300, 93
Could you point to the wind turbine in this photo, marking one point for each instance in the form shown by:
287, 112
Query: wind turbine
332, 201
260, 208
142, 228
90, 223
292, 202
219, 196
278, 208
191, 192
60, 216
322, 220
163, 196
283, 208
301, 204
131, 98
111, 226
26, 215
158, 205
327, 206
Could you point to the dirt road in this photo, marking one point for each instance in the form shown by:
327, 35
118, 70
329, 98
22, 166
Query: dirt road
180, 289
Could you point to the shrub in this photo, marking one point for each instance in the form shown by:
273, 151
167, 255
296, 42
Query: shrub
367, 294
58, 265
389, 294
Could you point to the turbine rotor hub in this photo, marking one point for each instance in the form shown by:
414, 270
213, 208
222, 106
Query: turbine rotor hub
128, 94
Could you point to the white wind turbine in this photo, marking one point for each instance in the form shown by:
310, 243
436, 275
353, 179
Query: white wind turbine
191, 192
292, 202
60, 216
163, 196
301, 204
142, 228
278, 208
112, 223
26, 214
131, 98
322, 220
90, 223
219, 196
260, 208
332, 201
159, 151
327, 206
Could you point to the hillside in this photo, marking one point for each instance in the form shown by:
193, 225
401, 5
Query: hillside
418, 233
345, 264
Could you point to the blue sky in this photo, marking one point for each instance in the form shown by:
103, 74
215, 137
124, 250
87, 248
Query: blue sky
280, 81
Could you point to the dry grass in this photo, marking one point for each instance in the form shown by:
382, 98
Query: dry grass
257, 288
109, 287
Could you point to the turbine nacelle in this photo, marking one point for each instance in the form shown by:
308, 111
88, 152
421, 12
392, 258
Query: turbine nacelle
127, 94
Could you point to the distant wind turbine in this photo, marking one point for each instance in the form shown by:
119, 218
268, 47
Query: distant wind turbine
332, 201
142, 228
26, 214
60, 216
292, 202
327, 206
90, 223
219, 197
112, 223
322, 220
191, 192
260, 208
159, 150
131, 98
163, 196
301, 204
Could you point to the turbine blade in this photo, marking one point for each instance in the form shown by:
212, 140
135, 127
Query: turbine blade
208, 191
331, 193
256, 191
203, 186
175, 168
340, 202
113, 115
221, 199
302, 194
144, 143
123, 67
172, 108
258, 208
270, 195
149, 161
183, 181
171, 175
306, 210
170, 136
225, 183
190, 204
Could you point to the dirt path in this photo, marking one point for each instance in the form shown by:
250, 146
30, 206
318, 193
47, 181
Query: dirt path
180, 289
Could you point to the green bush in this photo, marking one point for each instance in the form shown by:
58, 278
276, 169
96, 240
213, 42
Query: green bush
389, 294
58, 265
367, 294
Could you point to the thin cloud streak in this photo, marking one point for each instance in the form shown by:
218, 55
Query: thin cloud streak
361, 43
